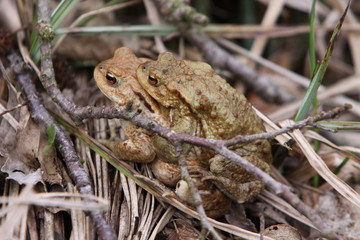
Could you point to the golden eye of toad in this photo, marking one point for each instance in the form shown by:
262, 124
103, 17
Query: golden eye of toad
110, 77
153, 80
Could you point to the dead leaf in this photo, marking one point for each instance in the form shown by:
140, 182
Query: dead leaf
21, 162
22, 177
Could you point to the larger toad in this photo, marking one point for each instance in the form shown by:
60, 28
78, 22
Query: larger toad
116, 77
209, 107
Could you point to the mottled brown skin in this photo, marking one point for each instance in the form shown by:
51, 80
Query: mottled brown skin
212, 109
116, 77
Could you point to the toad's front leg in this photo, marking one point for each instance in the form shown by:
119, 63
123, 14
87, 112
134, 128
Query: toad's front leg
136, 148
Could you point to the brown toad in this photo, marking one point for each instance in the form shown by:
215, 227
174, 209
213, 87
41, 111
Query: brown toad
116, 79
204, 104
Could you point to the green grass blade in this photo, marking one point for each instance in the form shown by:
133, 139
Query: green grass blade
319, 74
312, 53
342, 164
60, 12
133, 30
312, 40
341, 125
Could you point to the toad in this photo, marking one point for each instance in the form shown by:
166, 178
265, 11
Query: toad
116, 78
202, 103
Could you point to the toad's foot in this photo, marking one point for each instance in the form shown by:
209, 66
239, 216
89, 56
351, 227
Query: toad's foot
239, 192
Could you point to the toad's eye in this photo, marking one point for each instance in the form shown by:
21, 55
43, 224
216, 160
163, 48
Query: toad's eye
111, 78
153, 80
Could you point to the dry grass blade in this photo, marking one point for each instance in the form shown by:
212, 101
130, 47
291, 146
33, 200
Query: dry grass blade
15, 215
285, 207
271, 126
304, 6
271, 15
9, 118
318, 164
164, 193
162, 222
57, 200
344, 150
16, 208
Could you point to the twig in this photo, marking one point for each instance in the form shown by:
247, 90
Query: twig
62, 140
14, 108
197, 202
178, 12
310, 121
39, 113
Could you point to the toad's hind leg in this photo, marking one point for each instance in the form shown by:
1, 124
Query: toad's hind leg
234, 181
239, 192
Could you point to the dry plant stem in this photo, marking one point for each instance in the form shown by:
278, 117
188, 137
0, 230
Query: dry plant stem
310, 121
195, 193
182, 15
77, 113
62, 140
39, 113
14, 108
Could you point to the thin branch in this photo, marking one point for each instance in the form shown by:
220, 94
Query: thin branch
195, 193
219, 146
310, 121
14, 108
39, 113
62, 140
